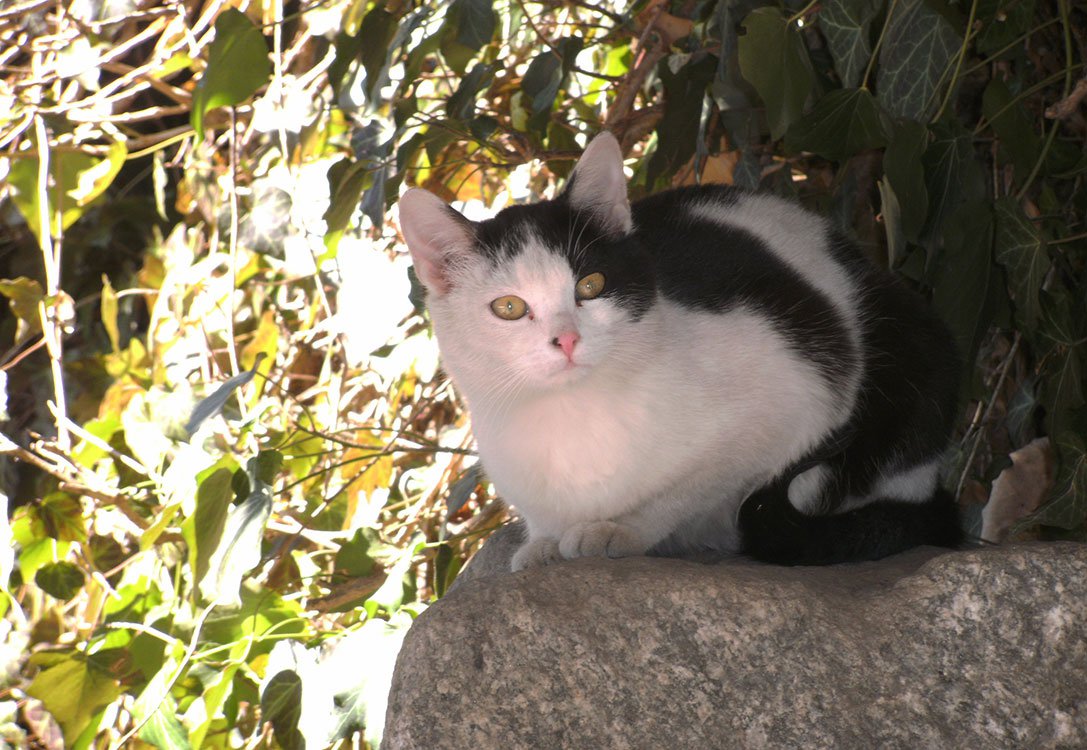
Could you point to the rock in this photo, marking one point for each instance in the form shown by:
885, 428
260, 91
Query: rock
980, 648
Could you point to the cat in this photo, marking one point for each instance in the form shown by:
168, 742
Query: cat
705, 369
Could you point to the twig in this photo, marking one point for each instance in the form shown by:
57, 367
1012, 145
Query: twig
1063, 109
988, 411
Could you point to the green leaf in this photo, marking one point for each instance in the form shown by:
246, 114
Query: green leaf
906, 175
109, 314
238, 65
1021, 249
1003, 22
377, 31
845, 25
214, 402
61, 516
963, 283
952, 176
917, 48
61, 580
77, 178
774, 60
72, 689
469, 25
238, 549
1067, 506
353, 557
281, 704
1014, 128
462, 104
24, 297
204, 529
677, 131
155, 704
842, 124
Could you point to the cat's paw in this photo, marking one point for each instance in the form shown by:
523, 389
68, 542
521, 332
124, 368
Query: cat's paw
536, 553
601, 539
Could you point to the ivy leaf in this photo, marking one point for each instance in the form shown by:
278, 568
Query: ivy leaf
469, 25
1021, 249
204, 529
377, 31
775, 61
842, 124
238, 65
238, 549
1067, 506
281, 704
906, 175
462, 104
73, 690
915, 53
963, 280
845, 25
61, 580
952, 176
1013, 127
76, 180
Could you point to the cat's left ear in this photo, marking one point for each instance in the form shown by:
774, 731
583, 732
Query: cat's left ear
438, 237
599, 185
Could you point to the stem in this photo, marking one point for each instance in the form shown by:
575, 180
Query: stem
967, 37
802, 12
51, 332
1063, 5
879, 44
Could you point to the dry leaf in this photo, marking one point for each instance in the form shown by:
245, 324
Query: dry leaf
1019, 490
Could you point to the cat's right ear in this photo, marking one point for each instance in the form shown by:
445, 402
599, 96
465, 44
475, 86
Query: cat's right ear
436, 235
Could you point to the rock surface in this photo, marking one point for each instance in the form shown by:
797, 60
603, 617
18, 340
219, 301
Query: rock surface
930, 649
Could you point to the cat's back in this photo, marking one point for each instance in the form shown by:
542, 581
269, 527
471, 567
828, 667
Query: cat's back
715, 248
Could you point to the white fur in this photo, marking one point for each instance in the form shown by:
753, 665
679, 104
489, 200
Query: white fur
806, 489
798, 238
914, 484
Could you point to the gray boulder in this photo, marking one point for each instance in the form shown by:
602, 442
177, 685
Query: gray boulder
929, 649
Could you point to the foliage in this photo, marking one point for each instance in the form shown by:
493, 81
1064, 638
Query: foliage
228, 445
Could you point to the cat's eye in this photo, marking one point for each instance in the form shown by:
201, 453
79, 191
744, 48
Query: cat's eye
509, 307
590, 286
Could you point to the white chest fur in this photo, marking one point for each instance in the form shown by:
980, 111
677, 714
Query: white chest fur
723, 404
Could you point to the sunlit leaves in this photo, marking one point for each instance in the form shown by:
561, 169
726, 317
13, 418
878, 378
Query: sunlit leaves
24, 298
918, 46
73, 688
62, 580
238, 65
775, 61
76, 179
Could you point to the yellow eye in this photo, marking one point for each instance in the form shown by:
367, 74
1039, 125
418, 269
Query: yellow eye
509, 307
590, 286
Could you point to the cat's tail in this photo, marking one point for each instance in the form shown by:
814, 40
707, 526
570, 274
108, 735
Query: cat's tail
772, 530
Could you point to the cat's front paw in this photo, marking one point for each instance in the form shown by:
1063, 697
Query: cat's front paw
536, 553
601, 539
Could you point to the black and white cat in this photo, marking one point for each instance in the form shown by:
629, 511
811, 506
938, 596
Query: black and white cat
635, 373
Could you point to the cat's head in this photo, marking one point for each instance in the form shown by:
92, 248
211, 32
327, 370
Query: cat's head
540, 295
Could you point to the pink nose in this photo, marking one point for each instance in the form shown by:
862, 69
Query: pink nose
566, 341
